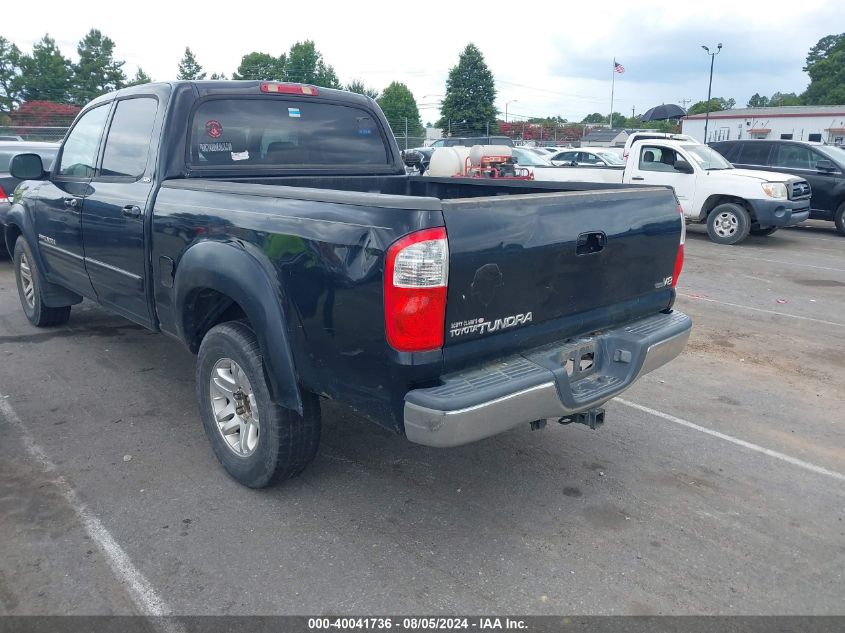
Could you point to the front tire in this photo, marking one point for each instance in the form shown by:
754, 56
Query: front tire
256, 441
28, 279
839, 219
728, 223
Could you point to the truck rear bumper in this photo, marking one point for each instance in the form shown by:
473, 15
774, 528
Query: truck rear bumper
552, 381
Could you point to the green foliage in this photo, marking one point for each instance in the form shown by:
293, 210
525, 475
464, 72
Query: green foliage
261, 67
45, 74
358, 86
398, 104
140, 78
826, 67
305, 64
470, 94
594, 118
97, 71
716, 104
784, 99
189, 67
10, 61
757, 101
218, 76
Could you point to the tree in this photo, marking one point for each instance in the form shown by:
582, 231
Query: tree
470, 94
716, 104
97, 71
261, 67
10, 61
189, 67
757, 101
398, 104
784, 99
45, 74
594, 118
218, 76
356, 85
826, 67
43, 114
305, 64
140, 78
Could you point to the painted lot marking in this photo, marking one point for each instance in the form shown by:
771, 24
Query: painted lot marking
735, 440
138, 587
775, 312
777, 261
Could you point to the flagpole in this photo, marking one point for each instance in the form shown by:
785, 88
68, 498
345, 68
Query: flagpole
612, 88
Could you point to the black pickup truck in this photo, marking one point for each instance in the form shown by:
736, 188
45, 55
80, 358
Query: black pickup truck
272, 229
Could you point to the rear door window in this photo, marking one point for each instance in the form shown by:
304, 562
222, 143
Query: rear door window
128, 142
754, 153
271, 132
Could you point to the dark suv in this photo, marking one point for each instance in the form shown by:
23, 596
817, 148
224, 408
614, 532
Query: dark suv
823, 166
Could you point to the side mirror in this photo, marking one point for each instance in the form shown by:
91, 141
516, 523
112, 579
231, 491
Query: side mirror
412, 158
825, 165
683, 166
26, 167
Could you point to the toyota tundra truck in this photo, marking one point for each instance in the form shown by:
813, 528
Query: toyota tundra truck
271, 228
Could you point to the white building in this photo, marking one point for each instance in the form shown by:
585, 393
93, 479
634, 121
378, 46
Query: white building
801, 123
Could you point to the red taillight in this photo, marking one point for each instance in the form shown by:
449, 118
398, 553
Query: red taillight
679, 258
3, 195
416, 276
289, 89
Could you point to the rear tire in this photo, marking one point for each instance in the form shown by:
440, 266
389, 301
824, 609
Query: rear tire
728, 223
764, 232
839, 219
28, 279
256, 441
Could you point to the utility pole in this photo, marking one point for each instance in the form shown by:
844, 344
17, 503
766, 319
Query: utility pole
710, 86
684, 102
633, 112
406, 132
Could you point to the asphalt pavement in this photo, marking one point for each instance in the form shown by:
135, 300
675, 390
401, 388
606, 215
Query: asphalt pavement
716, 485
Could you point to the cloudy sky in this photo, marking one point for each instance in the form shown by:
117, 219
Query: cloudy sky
554, 58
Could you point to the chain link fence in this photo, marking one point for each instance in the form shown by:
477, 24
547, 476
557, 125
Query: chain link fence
34, 132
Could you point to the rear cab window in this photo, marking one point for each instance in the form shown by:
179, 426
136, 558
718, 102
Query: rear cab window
271, 132
754, 153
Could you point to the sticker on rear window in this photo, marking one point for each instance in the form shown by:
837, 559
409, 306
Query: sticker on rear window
294, 112
244, 155
210, 148
213, 128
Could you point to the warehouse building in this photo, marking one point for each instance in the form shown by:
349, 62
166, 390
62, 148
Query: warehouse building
825, 124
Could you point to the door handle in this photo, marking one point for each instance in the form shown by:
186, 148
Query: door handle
637, 178
132, 211
71, 202
588, 243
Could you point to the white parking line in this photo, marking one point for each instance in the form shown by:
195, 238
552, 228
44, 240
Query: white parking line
774, 261
138, 587
775, 312
735, 440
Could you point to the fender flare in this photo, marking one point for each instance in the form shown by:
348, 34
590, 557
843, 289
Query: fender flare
232, 271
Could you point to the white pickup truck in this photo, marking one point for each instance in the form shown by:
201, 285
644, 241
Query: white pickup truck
732, 202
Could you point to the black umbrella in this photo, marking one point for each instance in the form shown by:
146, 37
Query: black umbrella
663, 112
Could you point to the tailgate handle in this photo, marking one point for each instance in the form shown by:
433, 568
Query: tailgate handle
589, 243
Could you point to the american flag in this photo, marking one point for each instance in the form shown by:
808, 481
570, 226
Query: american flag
618, 67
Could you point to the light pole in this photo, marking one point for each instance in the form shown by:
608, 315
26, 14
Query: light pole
709, 87
506, 108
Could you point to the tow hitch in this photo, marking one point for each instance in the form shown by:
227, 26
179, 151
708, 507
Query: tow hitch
593, 418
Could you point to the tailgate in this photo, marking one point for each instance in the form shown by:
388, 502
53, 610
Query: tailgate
558, 264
